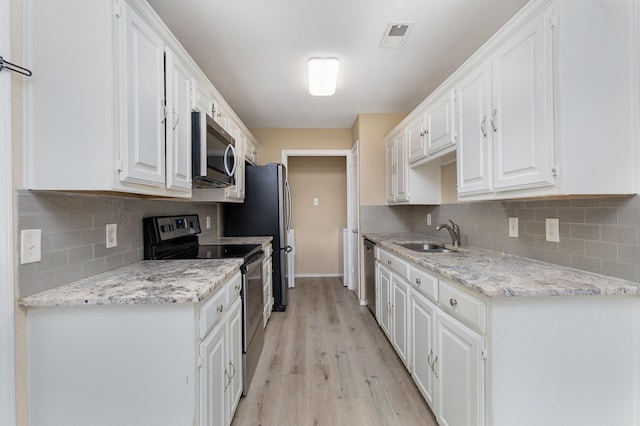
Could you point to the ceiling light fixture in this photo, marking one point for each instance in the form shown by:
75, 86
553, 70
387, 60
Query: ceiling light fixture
323, 76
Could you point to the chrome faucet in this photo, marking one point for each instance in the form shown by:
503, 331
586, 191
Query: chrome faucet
454, 231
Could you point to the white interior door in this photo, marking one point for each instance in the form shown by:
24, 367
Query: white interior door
353, 221
7, 348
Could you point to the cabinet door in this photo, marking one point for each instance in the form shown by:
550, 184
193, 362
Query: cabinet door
178, 143
460, 374
234, 364
402, 169
522, 113
390, 172
144, 108
440, 125
422, 313
416, 138
399, 305
214, 378
384, 318
474, 133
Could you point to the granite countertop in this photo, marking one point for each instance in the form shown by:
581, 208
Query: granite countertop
143, 282
496, 274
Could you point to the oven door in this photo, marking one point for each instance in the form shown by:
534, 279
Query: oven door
252, 299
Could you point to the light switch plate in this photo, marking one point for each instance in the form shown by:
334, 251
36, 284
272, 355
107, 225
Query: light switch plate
208, 222
552, 226
316, 201
428, 219
30, 246
513, 227
112, 235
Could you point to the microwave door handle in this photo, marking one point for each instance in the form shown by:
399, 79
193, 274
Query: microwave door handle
226, 160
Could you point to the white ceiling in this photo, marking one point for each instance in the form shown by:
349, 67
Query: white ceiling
256, 51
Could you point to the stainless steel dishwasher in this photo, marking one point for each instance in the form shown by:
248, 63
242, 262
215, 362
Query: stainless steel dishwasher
370, 274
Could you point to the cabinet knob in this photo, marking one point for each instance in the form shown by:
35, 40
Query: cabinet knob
237, 287
220, 308
388, 262
418, 281
453, 302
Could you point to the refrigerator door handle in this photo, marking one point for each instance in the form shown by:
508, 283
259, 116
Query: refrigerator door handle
288, 201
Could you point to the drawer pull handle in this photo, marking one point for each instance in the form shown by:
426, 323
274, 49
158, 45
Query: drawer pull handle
220, 308
418, 281
453, 302
388, 262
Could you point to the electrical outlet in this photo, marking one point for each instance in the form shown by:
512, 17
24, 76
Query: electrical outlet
428, 219
316, 201
513, 227
112, 235
552, 226
208, 222
30, 246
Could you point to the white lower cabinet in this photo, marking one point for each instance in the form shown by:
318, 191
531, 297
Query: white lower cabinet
422, 319
383, 276
221, 370
149, 364
526, 361
459, 373
399, 312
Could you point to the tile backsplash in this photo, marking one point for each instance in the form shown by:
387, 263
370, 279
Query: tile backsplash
598, 235
74, 235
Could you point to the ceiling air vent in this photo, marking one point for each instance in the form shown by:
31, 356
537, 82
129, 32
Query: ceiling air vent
396, 34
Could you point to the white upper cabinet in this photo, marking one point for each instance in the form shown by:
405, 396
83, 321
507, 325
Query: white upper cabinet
522, 108
117, 115
474, 133
540, 107
178, 140
431, 128
441, 133
396, 180
506, 116
556, 91
143, 148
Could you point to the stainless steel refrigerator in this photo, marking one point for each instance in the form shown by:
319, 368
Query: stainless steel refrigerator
266, 211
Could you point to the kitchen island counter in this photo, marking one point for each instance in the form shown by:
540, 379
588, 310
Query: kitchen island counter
495, 274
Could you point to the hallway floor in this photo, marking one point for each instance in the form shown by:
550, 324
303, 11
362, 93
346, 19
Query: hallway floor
327, 362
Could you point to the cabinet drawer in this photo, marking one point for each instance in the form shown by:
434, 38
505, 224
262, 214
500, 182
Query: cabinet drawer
424, 282
463, 306
212, 310
233, 288
394, 263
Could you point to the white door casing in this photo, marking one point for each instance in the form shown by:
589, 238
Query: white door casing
353, 221
7, 342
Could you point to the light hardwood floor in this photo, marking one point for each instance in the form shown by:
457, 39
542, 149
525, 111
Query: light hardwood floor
326, 362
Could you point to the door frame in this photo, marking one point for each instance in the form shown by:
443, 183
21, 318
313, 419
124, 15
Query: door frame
286, 153
7, 308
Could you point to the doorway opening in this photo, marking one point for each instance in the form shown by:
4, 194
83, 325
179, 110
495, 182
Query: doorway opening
323, 191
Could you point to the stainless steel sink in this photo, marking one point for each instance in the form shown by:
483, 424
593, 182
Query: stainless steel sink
426, 247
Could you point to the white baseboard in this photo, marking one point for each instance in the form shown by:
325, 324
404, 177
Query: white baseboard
336, 275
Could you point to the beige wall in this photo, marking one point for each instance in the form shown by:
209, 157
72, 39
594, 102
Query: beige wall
371, 129
273, 141
318, 228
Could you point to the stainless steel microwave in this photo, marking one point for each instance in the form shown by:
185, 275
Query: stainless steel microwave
213, 153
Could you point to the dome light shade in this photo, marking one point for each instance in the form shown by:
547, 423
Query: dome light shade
323, 76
